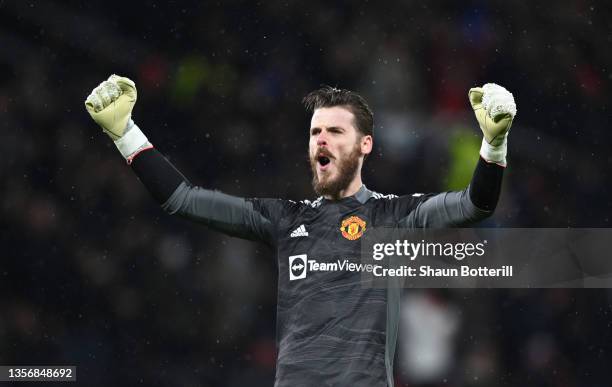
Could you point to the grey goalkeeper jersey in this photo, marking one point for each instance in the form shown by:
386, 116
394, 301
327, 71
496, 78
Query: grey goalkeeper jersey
330, 331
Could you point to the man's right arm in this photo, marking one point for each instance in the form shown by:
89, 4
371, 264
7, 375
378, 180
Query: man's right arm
110, 105
244, 218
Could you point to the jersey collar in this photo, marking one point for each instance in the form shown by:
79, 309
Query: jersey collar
363, 195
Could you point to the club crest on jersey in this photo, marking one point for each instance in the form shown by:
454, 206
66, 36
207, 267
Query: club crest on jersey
352, 228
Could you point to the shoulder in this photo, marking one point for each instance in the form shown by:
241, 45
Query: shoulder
392, 197
308, 203
275, 208
380, 196
392, 206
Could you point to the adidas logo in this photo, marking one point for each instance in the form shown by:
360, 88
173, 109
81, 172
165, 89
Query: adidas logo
299, 232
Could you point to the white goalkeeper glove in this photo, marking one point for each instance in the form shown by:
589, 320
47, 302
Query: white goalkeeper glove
110, 105
495, 109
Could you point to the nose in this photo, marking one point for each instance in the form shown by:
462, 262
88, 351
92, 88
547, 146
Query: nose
322, 139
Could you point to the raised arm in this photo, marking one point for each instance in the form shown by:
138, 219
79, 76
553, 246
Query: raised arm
110, 105
495, 109
461, 208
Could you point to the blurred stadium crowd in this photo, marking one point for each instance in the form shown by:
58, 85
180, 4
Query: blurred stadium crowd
94, 274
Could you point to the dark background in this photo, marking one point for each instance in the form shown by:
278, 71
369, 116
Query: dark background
94, 274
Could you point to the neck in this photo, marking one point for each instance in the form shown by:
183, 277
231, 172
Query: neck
350, 190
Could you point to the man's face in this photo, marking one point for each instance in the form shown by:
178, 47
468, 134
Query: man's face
336, 149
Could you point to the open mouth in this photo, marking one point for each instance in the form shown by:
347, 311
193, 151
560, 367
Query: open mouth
323, 160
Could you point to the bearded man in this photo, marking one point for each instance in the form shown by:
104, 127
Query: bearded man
331, 331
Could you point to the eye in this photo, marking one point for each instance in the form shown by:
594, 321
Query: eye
315, 131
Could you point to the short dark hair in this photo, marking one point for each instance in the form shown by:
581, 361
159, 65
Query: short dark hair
328, 96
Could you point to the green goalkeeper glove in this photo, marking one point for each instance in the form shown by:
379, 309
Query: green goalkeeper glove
495, 110
110, 105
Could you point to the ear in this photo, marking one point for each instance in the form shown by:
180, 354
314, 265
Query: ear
366, 142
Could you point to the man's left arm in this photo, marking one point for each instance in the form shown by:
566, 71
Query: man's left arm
495, 110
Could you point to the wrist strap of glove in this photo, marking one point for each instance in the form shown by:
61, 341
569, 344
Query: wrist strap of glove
495, 153
132, 142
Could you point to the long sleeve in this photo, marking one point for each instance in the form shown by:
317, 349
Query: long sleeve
460, 208
240, 217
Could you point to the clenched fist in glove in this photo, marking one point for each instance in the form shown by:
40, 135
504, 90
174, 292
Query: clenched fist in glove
110, 105
495, 109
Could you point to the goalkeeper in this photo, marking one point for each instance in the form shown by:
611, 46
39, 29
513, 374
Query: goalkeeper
330, 329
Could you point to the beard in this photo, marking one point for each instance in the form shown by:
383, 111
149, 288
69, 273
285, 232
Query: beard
347, 170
